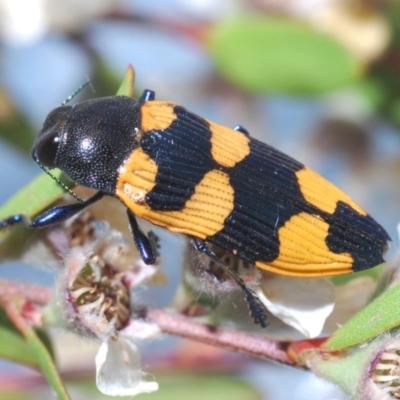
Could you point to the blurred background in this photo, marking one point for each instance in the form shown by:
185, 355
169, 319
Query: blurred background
319, 80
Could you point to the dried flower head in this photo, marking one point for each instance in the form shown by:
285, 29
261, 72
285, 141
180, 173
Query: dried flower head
100, 268
99, 290
386, 374
96, 298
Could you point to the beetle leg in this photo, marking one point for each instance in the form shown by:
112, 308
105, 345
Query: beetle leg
240, 128
143, 243
257, 310
155, 240
147, 95
52, 216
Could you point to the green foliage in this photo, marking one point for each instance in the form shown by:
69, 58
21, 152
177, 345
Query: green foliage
16, 348
263, 54
380, 316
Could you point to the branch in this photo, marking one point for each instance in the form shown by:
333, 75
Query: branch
250, 344
33, 293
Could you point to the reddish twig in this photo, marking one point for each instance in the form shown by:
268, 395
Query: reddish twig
33, 293
250, 344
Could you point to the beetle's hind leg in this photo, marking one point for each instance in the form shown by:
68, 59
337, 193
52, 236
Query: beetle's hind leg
257, 310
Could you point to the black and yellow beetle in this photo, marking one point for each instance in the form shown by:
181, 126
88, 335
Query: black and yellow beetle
213, 183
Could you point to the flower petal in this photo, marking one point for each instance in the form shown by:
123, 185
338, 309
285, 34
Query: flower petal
118, 369
303, 304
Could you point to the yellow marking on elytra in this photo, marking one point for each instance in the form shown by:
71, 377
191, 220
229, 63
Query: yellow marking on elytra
228, 147
303, 250
204, 212
322, 193
157, 115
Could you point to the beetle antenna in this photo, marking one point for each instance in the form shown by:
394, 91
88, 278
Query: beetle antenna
63, 185
80, 88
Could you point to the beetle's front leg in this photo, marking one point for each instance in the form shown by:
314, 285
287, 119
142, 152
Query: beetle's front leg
52, 216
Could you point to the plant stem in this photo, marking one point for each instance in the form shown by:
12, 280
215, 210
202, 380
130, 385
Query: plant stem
251, 344
33, 293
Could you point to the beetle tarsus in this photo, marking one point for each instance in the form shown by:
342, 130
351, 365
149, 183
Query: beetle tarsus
256, 308
14, 220
155, 240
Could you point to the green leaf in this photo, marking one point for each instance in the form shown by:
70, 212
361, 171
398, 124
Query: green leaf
40, 193
380, 316
13, 345
126, 88
263, 54
45, 362
43, 357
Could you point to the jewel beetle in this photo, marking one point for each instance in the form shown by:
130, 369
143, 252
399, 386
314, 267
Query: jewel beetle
210, 182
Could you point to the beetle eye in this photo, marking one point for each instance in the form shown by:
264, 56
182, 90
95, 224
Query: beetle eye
46, 145
45, 149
